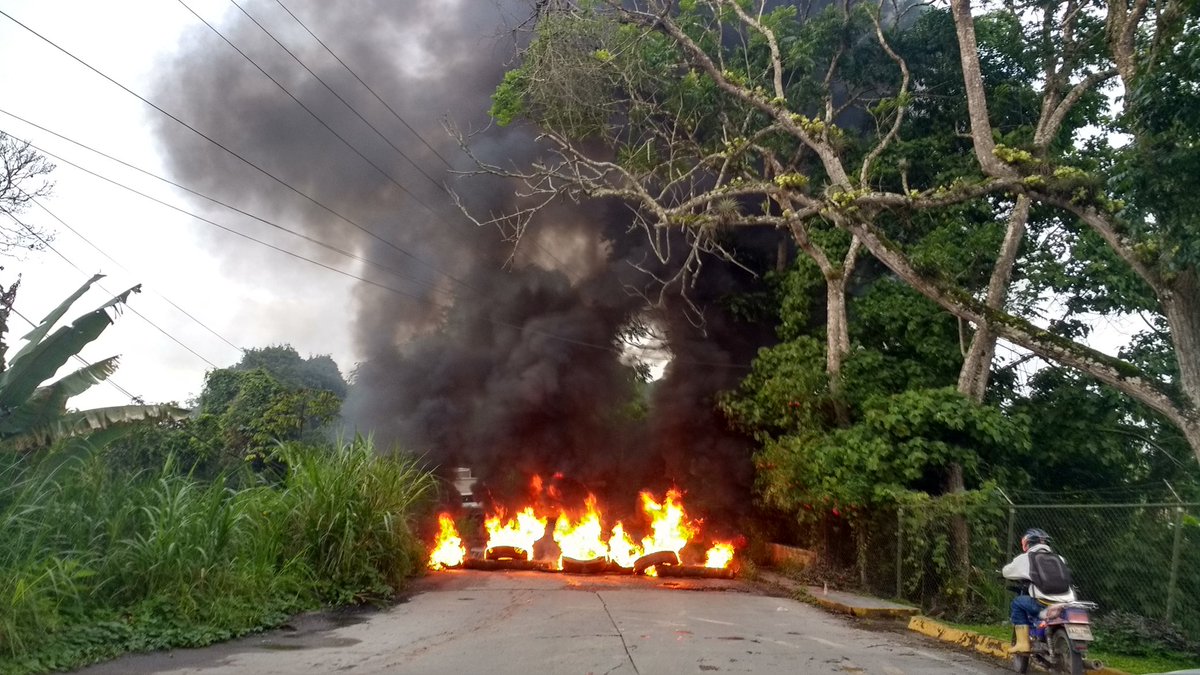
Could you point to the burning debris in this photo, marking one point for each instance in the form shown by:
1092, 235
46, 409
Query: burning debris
449, 550
582, 545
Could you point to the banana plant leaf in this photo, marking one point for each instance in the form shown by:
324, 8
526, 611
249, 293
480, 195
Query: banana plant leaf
50, 401
87, 422
39, 331
37, 362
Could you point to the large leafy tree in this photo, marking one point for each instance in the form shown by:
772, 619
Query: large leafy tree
716, 114
33, 410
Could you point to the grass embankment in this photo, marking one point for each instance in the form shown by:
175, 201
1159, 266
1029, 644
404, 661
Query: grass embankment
1137, 665
95, 562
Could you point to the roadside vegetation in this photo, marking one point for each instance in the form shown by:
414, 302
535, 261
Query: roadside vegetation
150, 527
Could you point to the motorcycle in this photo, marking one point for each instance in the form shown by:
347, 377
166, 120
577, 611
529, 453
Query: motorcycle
1060, 640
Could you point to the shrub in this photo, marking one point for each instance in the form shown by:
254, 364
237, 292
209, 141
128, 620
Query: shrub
96, 561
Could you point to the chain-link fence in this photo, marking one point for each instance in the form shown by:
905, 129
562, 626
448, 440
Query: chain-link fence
1138, 558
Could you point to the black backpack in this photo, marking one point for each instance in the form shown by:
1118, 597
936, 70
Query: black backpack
1049, 572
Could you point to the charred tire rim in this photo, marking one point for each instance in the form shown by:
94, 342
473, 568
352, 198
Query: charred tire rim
593, 566
505, 553
656, 558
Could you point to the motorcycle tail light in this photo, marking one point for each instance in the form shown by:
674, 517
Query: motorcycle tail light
1077, 616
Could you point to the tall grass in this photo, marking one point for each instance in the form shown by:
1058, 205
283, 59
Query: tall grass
95, 561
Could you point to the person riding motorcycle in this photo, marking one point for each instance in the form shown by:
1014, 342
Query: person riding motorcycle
1027, 606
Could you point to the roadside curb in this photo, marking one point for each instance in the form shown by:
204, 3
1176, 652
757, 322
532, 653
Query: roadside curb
834, 605
974, 641
965, 639
861, 607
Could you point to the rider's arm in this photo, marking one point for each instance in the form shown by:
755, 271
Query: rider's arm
1018, 568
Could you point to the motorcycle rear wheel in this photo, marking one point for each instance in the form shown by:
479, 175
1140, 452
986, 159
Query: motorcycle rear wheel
1069, 660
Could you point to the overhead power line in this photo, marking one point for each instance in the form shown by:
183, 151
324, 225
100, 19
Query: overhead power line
499, 322
84, 361
438, 185
294, 233
380, 170
225, 228
234, 154
87, 241
132, 309
365, 85
335, 94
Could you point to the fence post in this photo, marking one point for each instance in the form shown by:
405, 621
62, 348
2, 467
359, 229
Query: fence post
1012, 522
1175, 552
900, 552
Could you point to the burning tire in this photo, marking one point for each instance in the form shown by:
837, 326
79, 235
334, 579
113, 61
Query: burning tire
664, 558
593, 566
520, 564
695, 572
505, 553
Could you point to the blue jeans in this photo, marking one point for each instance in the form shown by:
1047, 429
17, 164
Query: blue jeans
1025, 611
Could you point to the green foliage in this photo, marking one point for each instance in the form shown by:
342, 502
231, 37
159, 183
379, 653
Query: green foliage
1135, 635
97, 561
903, 442
271, 395
932, 577
285, 364
33, 413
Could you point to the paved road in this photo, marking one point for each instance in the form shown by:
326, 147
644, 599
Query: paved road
528, 623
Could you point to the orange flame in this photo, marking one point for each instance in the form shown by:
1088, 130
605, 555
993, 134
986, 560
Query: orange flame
719, 556
670, 529
448, 550
621, 548
582, 540
520, 532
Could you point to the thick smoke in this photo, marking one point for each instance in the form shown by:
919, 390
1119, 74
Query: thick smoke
510, 369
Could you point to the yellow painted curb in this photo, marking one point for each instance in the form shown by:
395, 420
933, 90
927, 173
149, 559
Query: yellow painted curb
864, 612
967, 640
974, 641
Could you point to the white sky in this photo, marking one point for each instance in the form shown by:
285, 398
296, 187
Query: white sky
162, 249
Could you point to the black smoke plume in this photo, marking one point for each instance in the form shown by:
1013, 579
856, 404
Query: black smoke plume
509, 369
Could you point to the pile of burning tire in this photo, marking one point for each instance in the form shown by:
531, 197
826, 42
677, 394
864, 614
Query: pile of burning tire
658, 563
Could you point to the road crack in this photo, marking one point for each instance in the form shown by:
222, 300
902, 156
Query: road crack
619, 633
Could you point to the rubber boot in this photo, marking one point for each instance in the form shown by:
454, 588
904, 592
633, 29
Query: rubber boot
1021, 646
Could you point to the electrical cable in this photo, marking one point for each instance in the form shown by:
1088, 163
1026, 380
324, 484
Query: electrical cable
132, 309
440, 186
364, 84
84, 361
308, 110
239, 157
214, 200
114, 261
335, 94
312, 200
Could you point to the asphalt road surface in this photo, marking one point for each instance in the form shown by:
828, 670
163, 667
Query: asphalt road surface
531, 623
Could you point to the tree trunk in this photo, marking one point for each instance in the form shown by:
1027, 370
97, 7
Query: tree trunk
977, 367
837, 343
1182, 308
